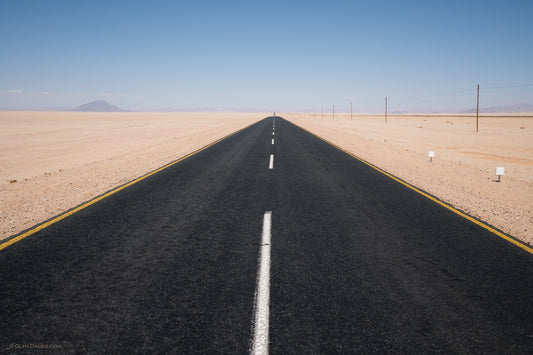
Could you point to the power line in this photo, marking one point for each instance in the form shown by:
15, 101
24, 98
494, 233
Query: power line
508, 86
451, 93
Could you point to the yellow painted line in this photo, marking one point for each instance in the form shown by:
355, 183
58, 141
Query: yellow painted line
456, 211
107, 194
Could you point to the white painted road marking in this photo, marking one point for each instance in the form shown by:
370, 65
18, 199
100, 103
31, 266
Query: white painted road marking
273, 133
272, 140
262, 295
271, 164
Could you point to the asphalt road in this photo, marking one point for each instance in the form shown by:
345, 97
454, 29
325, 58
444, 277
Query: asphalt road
359, 263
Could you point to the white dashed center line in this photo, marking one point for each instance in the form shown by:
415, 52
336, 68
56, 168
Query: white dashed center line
262, 294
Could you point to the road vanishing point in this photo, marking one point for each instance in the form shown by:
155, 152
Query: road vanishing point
271, 240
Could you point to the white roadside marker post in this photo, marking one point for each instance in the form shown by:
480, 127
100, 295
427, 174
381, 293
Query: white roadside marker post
431, 155
499, 172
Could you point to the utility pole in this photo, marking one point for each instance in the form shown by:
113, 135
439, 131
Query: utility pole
385, 109
477, 110
333, 111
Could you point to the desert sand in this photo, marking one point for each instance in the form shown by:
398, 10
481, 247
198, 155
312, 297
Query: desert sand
53, 161
462, 172
62, 159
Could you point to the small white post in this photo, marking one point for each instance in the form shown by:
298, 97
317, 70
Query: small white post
431, 155
499, 172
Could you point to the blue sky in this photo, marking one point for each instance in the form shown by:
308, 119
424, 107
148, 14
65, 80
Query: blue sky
271, 55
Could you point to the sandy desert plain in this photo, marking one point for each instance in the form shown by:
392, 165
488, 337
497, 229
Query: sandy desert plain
62, 159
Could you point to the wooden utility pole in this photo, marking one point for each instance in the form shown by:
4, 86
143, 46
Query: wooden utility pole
385, 109
477, 110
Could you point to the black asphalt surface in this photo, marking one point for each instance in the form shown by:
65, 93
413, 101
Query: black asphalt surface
360, 263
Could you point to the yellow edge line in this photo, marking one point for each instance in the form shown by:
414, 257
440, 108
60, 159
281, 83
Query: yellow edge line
456, 211
109, 193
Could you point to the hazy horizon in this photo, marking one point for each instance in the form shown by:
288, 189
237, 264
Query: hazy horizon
267, 56
515, 108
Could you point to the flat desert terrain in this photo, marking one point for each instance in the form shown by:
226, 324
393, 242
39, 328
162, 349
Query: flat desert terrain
462, 172
53, 161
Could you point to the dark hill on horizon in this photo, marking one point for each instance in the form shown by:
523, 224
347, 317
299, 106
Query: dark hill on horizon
99, 106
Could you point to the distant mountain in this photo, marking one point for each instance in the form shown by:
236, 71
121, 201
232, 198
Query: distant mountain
99, 106
504, 109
